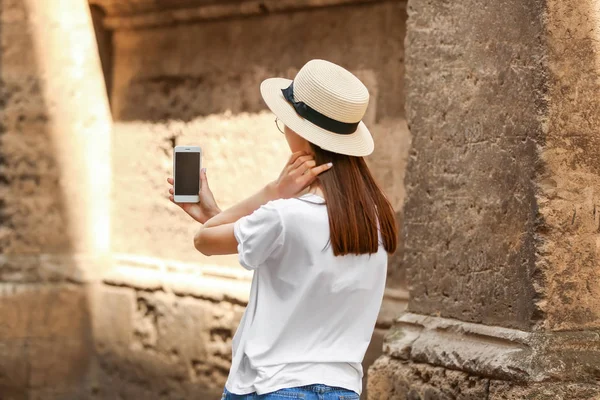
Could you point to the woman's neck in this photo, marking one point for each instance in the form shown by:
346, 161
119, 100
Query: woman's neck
313, 189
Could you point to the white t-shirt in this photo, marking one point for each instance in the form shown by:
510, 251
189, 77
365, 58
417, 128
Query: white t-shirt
310, 315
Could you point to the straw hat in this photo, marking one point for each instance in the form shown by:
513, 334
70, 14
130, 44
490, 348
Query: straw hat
324, 104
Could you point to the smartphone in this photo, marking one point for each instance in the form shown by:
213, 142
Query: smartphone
187, 161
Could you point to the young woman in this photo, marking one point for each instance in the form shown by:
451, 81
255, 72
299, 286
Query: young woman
317, 239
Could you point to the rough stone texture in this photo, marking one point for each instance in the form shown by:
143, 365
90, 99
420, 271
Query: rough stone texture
121, 330
32, 205
393, 380
502, 95
48, 203
69, 76
223, 10
493, 351
372, 354
174, 343
170, 87
53, 196
160, 344
501, 226
34, 268
569, 183
474, 114
555, 391
45, 341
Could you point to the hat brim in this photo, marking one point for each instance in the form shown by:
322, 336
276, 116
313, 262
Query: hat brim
359, 144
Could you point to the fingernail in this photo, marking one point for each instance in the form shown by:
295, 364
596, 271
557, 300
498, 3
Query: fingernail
204, 170
329, 164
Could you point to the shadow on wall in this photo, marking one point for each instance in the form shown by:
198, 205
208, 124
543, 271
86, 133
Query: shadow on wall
45, 329
186, 71
105, 46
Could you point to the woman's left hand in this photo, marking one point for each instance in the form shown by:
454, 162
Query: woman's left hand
299, 172
204, 209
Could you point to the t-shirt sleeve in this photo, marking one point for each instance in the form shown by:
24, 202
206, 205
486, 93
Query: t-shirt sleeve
259, 235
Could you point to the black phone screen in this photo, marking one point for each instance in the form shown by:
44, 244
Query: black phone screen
187, 173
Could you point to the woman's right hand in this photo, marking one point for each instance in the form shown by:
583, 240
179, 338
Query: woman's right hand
203, 210
299, 172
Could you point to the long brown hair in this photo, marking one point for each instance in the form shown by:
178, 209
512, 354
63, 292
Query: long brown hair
355, 204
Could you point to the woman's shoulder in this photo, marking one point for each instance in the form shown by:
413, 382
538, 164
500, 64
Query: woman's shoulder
295, 207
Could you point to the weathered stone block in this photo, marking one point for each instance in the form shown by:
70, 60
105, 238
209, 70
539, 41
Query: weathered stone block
113, 311
14, 365
394, 380
10, 393
112, 385
470, 209
32, 204
44, 337
58, 364
39, 311
165, 342
70, 393
53, 364
569, 183
373, 352
501, 226
551, 391
55, 119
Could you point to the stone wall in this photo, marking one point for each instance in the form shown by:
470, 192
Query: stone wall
473, 157
197, 83
502, 159
165, 341
391, 379
501, 227
569, 184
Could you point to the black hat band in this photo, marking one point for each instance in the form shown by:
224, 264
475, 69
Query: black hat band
316, 117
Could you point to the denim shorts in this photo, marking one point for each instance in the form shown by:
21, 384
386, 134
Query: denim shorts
309, 392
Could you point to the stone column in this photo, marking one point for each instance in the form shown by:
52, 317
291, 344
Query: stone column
79, 116
502, 216
54, 195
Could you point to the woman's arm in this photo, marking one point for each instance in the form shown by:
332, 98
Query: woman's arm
216, 236
245, 207
215, 241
